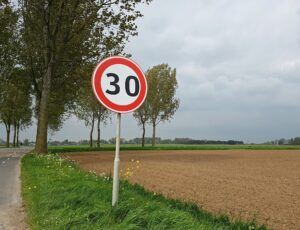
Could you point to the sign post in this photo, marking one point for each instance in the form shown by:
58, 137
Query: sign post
115, 193
121, 86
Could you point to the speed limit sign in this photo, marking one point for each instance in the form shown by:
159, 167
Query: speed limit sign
119, 84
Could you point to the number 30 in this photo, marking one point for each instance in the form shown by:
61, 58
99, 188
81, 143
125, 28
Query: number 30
115, 82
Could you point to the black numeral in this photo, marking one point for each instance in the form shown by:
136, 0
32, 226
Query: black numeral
136, 84
114, 83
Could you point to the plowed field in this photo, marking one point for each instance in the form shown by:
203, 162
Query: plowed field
260, 185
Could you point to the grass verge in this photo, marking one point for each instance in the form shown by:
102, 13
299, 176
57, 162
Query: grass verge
58, 195
62, 149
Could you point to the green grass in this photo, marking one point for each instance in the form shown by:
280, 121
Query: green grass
83, 148
58, 195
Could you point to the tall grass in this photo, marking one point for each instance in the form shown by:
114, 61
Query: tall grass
58, 195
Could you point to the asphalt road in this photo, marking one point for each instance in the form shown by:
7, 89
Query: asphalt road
11, 213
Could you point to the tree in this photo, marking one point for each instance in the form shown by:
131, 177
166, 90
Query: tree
161, 101
85, 111
22, 112
88, 108
6, 112
142, 116
281, 141
15, 104
8, 39
295, 141
26, 142
59, 37
8, 61
102, 115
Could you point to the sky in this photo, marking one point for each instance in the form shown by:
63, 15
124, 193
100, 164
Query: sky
238, 70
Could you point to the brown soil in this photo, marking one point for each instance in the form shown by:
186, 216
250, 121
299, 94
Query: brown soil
260, 185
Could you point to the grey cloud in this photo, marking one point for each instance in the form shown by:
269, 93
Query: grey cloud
238, 66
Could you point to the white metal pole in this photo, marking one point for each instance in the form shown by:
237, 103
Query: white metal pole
115, 192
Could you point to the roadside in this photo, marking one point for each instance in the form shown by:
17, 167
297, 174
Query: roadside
73, 199
11, 211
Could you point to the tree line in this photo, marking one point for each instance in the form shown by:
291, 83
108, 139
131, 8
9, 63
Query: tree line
48, 50
15, 86
148, 141
283, 141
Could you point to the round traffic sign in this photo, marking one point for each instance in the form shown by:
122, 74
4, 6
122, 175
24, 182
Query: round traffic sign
119, 84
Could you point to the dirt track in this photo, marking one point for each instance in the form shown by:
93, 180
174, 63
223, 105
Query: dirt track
264, 185
12, 216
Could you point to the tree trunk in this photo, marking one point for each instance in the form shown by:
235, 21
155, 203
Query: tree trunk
15, 135
143, 135
43, 119
98, 129
91, 132
153, 134
7, 126
18, 129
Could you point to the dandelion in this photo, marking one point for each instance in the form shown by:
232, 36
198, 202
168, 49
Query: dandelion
137, 161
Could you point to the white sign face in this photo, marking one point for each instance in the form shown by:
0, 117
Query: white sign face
119, 84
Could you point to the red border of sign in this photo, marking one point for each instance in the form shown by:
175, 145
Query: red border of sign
96, 82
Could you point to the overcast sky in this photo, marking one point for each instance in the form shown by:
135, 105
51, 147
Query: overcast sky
238, 69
